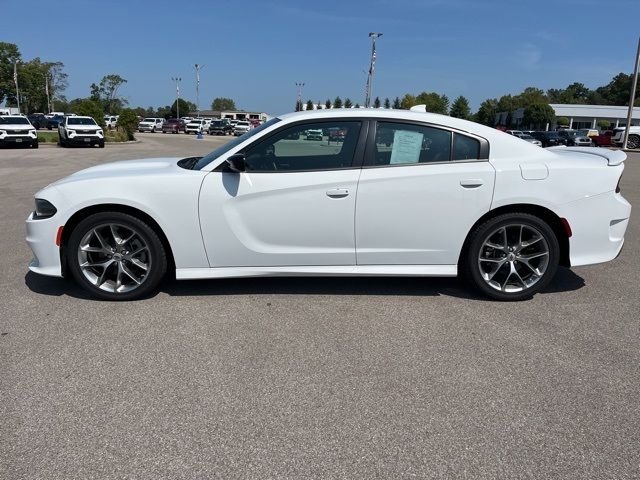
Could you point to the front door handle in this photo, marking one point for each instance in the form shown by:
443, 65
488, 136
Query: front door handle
337, 192
471, 182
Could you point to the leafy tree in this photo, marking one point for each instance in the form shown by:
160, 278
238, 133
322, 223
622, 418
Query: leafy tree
408, 101
604, 124
387, 103
538, 115
487, 112
90, 108
106, 92
434, 102
376, 102
185, 107
128, 122
222, 103
530, 96
348, 103
396, 103
319, 105
460, 108
162, 112
562, 121
327, 104
9, 54
337, 103
309, 105
357, 105
617, 91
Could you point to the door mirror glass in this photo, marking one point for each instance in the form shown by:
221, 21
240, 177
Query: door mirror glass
237, 163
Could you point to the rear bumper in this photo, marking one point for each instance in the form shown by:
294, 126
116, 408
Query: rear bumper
598, 224
41, 238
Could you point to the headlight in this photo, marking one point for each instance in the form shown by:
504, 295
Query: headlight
44, 209
70, 131
32, 131
99, 132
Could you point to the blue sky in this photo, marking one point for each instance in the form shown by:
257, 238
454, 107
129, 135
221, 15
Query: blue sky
254, 51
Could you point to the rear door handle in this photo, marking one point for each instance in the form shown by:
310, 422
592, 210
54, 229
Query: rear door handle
337, 192
471, 182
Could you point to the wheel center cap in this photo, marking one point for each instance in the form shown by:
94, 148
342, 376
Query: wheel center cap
511, 257
117, 257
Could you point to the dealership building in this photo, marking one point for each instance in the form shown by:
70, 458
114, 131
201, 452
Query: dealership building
580, 116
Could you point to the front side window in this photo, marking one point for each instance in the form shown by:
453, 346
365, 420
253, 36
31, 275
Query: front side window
306, 146
406, 144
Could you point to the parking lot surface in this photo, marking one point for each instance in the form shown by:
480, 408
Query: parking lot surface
309, 378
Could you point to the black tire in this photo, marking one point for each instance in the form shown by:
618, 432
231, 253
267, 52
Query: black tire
101, 144
63, 143
470, 267
35, 144
157, 255
633, 142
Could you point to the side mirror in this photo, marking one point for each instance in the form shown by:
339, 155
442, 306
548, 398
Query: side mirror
237, 163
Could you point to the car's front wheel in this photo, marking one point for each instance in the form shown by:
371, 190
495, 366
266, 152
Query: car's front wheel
512, 256
116, 256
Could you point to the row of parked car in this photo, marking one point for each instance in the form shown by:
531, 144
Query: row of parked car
189, 125
588, 137
72, 130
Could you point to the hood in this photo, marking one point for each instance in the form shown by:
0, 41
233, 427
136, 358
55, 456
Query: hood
17, 126
149, 166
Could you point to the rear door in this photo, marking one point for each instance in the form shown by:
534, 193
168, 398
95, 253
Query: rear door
421, 189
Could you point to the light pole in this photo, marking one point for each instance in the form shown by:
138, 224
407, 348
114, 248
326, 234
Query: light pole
634, 84
177, 80
198, 67
299, 100
372, 65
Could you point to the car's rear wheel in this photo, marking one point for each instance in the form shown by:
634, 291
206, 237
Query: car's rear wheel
512, 256
633, 142
116, 256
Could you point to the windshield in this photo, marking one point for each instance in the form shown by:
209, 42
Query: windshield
526, 137
14, 121
204, 161
80, 121
217, 124
149, 120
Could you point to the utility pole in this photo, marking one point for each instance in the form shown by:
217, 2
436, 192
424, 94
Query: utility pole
198, 67
372, 65
299, 99
177, 80
634, 84
15, 79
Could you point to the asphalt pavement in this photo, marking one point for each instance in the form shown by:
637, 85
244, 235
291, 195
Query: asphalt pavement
311, 377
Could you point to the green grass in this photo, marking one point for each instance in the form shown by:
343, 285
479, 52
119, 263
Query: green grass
48, 137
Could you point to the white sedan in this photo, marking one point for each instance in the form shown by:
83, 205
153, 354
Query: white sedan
405, 193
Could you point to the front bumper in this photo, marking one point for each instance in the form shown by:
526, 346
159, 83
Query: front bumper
598, 224
41, 238
85, 140
146, 128
18, 140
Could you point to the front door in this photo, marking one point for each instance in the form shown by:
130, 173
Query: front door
294, 204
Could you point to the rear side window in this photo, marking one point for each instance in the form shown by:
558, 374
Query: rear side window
405, 144
465, 148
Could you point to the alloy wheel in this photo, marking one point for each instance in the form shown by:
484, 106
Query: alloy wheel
513, 258
114, 258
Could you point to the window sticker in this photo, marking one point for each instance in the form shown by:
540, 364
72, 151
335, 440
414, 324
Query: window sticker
406, 147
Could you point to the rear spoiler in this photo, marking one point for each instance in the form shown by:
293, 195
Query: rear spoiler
613, 157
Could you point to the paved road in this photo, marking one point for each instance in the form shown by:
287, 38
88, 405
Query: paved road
297, 378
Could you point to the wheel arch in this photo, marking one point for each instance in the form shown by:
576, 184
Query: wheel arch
549, 216
81, 214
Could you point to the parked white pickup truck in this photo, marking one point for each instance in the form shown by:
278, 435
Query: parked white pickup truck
634, 137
